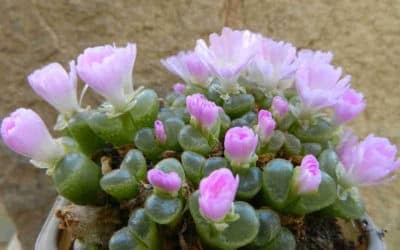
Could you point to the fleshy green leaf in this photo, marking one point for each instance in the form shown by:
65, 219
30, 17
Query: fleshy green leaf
145, 110
238, 105
123, 239
250, 182
163, 210
144, 229
117, 130
270, 226
328, 162
193, 165
277, 175
191, 139
135, 163
120, 184
77, 178
79, 129
145, 140
214, 163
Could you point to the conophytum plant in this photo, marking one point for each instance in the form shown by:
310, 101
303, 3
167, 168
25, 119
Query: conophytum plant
257, 130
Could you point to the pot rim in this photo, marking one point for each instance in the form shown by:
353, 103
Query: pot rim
48, 235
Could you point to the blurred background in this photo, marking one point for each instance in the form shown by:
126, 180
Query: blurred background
363, 35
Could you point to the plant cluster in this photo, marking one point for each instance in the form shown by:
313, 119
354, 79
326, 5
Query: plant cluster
257, 131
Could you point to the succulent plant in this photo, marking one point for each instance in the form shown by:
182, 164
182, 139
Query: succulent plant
254, 133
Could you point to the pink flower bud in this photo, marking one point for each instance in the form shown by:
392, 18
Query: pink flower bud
240, 145
308, 176
108, 70
266, 125
318, 85
205, 112
160, 131
179, 88
280, 106
167, 182
349, 105
25, 133
217, 193
189, 67
369, 162
53, 84
229, 53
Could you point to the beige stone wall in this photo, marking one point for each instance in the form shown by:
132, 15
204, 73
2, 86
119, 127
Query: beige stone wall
364, 36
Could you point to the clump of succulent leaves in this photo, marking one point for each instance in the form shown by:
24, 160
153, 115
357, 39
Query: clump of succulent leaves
255, 132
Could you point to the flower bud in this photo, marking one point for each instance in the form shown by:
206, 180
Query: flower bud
280, 107
53, 84
167, 182
25, 133
159, 131
308, 176
202, 110
108, 70
217, 193
240, 145
189, 67
266, 125
179, 88
349, 105
369, 162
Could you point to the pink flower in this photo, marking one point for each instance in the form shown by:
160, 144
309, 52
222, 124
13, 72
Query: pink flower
167, 182
349, 105
240, 145
108, 70
273, 67
179, 88
25, 133
189, 67
217, 193
228, 54
318, 85
54, 85
160, 131
369, 162
307, 56
266, 125
202, 110
280, 106
308, 176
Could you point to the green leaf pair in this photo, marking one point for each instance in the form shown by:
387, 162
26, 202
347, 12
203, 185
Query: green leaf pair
163, 208
79, 129
197, 166
140, 234
238, 233
271, 235
278, 190
238, 105
122, 183
191, 139
146, 141
120, 130
77, 178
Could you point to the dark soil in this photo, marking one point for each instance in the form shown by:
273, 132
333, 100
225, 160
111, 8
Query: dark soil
315, 232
